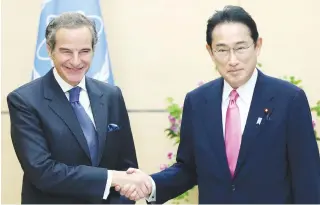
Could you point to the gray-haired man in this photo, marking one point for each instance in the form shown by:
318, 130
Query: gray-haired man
69, 131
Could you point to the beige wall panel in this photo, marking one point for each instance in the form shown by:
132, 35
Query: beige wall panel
19, 36
158, 47
290, 32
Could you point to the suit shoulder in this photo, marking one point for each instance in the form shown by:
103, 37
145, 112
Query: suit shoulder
105, 87
283, 87
202, 89
27, 89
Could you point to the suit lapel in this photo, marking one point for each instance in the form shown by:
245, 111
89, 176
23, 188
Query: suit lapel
213, 123
100, 113
61, 106
261, 99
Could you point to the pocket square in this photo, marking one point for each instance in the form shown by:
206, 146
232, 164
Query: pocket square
113, 127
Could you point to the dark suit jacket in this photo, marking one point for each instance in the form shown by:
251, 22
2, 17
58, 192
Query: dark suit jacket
52, 149
278, 160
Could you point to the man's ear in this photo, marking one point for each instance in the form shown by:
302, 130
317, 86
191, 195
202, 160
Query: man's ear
258, 46
49, 50
209, 50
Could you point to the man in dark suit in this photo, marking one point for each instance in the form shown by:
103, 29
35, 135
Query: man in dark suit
245, 137
70, 132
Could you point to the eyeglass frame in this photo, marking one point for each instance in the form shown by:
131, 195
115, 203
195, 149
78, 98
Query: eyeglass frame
235, 51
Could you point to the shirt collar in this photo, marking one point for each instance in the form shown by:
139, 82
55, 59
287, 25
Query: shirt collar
65, 86
245, 91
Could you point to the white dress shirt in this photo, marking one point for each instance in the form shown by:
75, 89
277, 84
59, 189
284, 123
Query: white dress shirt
244, 101
85, 102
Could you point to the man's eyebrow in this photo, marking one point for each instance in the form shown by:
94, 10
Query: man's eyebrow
64, 49
221, 44
237, 43
241, 42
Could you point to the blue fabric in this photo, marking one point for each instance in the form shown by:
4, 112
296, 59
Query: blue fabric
278, 161
86, 124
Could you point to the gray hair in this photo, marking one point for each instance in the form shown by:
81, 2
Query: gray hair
69, 20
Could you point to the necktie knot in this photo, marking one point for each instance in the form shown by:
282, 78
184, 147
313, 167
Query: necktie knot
74, 94
233, 95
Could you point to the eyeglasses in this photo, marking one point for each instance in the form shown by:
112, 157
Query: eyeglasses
225, 52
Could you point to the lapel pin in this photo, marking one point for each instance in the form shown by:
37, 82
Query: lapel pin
267, 113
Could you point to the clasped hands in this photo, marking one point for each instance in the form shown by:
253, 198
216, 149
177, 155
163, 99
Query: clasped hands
133, 184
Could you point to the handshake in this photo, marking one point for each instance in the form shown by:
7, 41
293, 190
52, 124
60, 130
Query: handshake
133, 184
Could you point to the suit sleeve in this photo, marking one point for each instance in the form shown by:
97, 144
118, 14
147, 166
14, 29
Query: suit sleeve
303, 153
181, 176
39, 167
128, 157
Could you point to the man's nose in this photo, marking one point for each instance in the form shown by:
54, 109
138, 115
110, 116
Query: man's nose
233, 60
75, 61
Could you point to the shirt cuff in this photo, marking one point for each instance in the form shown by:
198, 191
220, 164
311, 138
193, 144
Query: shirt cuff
108, 185
152, 197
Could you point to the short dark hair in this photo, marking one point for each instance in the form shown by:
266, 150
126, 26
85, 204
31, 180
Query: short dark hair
232, 14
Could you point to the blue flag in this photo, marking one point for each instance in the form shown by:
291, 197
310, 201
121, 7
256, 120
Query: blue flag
100, 67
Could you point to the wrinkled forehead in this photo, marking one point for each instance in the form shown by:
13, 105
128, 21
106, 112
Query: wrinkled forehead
231, 34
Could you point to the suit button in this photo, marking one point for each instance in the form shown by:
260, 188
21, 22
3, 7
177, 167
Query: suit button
233, 187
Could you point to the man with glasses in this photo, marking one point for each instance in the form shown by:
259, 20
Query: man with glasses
245, 137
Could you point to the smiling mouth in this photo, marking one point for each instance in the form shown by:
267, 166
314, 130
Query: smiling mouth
73, 68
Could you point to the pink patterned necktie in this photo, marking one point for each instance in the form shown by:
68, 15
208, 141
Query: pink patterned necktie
233, 132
